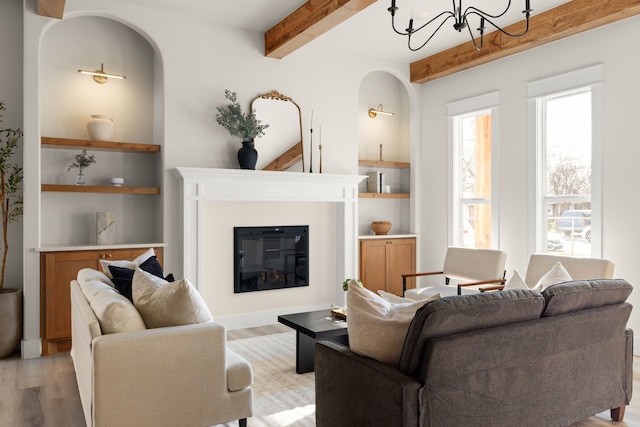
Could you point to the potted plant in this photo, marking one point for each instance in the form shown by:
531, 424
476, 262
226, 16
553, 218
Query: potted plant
10, 185
83, 160
246, 126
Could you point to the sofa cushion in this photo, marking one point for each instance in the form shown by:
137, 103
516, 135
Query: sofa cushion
126, 264
377, 327
115, 313
457, 314
557, 274
162, 303
122, 276
584, 294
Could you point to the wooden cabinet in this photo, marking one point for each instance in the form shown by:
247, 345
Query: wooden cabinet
57, 270
384, 260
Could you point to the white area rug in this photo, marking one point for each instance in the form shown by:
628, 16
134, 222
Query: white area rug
280, 396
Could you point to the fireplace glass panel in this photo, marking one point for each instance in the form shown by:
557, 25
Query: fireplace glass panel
270, 258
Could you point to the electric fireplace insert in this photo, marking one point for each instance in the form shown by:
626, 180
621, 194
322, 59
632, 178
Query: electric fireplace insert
270, 258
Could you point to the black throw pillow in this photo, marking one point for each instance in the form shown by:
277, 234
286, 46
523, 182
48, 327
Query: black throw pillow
123, 277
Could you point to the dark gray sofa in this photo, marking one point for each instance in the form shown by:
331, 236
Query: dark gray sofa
512, 358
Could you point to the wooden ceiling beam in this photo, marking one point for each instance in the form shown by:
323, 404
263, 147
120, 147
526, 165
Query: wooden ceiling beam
309, 21
566, 20
51, 8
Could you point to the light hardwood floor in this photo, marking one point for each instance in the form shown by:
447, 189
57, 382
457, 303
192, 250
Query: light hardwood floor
43, 392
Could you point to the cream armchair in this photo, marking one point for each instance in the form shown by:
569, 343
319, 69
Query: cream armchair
461, 265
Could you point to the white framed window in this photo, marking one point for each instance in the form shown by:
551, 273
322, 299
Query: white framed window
473, 177
566, 144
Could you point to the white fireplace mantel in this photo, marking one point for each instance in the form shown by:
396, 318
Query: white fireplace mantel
205, 184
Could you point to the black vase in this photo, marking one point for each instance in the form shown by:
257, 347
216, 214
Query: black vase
247, 155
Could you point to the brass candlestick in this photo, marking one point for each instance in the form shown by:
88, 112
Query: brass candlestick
320, 148
380, 152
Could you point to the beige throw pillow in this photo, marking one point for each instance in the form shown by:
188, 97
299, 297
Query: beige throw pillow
163, 303
515, 282
377, 327
557, 274
115, 313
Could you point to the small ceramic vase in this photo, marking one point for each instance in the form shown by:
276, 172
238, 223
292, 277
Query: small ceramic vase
100, 127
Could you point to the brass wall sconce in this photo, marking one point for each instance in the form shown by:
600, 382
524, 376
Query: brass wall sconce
100, 76
373, 112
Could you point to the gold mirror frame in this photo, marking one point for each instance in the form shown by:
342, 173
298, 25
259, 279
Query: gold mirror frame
293, 154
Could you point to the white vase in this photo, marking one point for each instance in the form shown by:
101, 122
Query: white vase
100, 127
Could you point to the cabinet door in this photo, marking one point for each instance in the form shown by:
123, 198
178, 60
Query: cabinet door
374, 264
57, 270
402, 260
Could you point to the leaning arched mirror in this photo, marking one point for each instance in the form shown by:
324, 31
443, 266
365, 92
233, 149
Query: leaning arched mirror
280, 148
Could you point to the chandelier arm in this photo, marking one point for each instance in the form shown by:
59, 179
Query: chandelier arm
446, 12
414, 30
431, 36
393, 26
500, 29
473, 39
477, 11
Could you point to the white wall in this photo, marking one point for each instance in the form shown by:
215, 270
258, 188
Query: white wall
194, 62
621, 148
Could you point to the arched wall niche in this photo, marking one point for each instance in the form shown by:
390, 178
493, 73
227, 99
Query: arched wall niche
393, 132
398, 135
68, 98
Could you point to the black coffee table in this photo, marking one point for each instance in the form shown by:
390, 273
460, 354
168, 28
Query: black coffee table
311, 327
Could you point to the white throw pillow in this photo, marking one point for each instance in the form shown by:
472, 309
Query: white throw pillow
115, 313
126, 264
393, 298
557, 274
515, 282
163, 303
377, 327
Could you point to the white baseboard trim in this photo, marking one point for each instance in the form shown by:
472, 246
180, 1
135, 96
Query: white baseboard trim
30, 349
636, 346
262, 318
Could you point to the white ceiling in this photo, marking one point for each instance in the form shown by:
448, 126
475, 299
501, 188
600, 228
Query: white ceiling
368, 32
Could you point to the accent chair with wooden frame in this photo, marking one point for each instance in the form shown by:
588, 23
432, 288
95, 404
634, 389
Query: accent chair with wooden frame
463, 265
